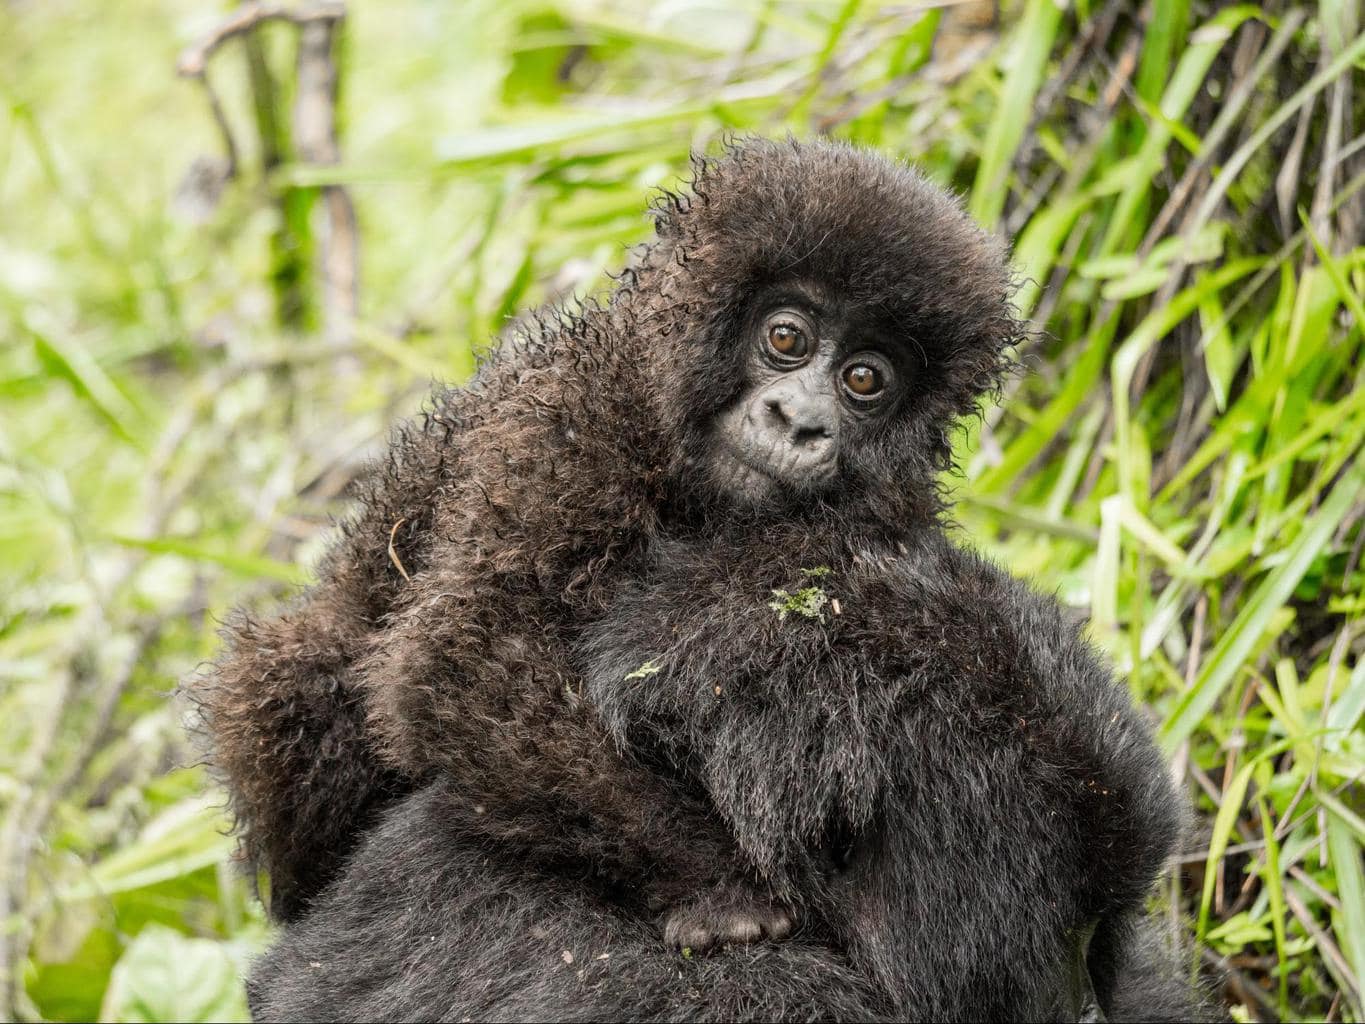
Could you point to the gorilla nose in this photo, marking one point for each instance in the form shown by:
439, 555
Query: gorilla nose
805, 421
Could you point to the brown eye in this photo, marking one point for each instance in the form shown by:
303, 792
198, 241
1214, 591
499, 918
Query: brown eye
863, 381
788, 340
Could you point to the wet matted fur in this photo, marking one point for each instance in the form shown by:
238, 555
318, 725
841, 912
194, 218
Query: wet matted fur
941, 777
519, 502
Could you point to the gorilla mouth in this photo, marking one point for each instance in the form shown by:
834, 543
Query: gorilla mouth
759, 475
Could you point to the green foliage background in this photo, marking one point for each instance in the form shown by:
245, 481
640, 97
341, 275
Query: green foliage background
1184, 465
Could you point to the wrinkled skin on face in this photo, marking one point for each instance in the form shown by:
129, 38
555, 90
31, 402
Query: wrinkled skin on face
818, 377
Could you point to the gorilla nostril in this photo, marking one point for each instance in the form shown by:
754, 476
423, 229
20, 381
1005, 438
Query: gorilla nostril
776, 413
805, 422
802, 426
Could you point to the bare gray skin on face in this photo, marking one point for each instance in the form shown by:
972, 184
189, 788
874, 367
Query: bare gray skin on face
812, 380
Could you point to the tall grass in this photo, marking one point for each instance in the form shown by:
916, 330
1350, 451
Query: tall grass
1184, 182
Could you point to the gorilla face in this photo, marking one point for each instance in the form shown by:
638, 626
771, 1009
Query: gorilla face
815, 383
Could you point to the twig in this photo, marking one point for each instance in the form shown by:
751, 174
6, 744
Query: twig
1287, 180
1317, 890
314, 142
1200, 856
1331, 955
224, 126
315, 137
195, 58
1212, 192
393, 553
1091, 39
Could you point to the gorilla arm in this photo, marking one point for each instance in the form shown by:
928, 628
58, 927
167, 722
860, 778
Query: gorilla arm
947, 737
469, 683
279, 710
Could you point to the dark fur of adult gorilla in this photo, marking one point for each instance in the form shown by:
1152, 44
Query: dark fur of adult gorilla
659, 616
424, 925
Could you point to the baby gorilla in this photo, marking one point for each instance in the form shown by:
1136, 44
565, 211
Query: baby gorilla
660, 608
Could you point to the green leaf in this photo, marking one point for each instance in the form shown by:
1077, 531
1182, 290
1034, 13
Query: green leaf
1078, 385
1349, 296
187, 837
1274, 883
1165, 27
1036, 248
1219, 361
166, 976
1346, 710
245, 565
808, 602
1229, 810
1232, 168
1104, 613
68, 359
1344, 814
1188, 79
649, 668
506, 142
1155, 326
1138, 283
72, 987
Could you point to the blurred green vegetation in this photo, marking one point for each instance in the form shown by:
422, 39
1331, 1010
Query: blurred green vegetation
181, 409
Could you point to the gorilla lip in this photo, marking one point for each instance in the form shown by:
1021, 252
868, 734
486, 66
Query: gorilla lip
788, 476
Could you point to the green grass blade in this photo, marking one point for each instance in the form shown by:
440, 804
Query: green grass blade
1228, 812
1242, 636
69, 360
1028, 58
1344, 851
255, 566
1346, 710
1274, 884
1157, 325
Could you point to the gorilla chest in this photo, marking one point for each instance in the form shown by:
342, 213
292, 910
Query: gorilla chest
794, 697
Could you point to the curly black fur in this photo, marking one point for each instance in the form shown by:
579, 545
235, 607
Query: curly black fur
424, 925
940, 776
487, 940
522, 500
947, 739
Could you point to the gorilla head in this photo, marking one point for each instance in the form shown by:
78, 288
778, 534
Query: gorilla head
816, 319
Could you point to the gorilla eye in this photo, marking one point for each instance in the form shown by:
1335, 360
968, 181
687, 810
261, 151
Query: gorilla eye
863, 381
788, 340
